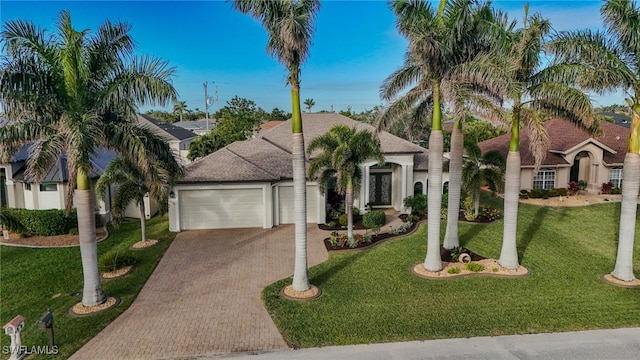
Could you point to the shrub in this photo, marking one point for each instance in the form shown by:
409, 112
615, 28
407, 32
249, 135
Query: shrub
343, 219
616, 191
491, 213
333, 239
524, 194
367, 238
331, 224
417, 203
445, 201
355, 211
537, 193
454, 270
582, 184
469, 210
558, 192
73, 231
606, 188
43, 222
444, 213
475, 267
114, 260
402, 228
456, 252
374, 219
573, 188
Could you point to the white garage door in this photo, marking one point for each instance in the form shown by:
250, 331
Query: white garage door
214, 209
286, 204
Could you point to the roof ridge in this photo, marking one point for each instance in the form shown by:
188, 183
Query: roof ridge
250, 162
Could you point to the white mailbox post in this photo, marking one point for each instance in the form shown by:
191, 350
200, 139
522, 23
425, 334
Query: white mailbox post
13, 328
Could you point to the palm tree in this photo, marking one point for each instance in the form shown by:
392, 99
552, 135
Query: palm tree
289, 25
342, 150
480, 170
309, 103
134, 184
179, 108
534, 93
73, 93
609, 60
429, 72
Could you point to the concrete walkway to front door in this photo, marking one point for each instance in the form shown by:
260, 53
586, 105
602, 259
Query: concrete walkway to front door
203, 298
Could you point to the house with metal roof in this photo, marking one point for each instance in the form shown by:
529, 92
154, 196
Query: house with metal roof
573, 155
250, 183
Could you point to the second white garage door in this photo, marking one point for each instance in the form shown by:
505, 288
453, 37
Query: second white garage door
286, 204
225, 208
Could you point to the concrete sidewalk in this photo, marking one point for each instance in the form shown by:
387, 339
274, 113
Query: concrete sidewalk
618, 344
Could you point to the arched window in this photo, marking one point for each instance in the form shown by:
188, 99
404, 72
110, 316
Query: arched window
418, 188
544, 179
445, 187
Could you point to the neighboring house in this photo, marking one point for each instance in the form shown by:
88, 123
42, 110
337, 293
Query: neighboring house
177, 137
17, 190
198, 127
618, 119
249, 183
573, 155
269, 125
20, 191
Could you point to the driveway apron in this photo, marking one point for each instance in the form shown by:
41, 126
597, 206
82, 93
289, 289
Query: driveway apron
203, 298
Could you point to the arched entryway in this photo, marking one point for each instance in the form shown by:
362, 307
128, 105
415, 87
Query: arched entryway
581, 167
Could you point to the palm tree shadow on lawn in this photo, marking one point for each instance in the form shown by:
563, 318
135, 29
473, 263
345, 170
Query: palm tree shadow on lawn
531, 230
321, 278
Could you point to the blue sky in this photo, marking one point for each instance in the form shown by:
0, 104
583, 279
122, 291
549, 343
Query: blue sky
356, 46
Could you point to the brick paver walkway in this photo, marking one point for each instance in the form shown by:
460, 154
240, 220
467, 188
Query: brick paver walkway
204, 297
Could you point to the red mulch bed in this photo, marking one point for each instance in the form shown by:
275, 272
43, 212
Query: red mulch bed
445, 255
481, 219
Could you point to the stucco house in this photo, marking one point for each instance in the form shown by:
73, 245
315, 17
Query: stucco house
249, 183
573, 155
20, 191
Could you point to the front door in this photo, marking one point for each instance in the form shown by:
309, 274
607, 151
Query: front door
380, 189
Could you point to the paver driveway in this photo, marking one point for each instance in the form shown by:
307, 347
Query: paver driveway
204, 297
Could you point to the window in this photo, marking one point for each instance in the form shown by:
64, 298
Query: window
544, 179
445, 188
615, 176
27, 187
49, 187
418, 188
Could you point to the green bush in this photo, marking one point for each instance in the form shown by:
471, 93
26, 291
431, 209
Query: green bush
417, 203
616, 191
355, 211
454, 270
343, 219
374, 219
114, 260
475, 267
491, 213
43, 222
524, 194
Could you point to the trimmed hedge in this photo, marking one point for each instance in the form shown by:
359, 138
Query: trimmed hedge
44, 222
374, 219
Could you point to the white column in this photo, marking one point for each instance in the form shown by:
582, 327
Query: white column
367, 174
404, 185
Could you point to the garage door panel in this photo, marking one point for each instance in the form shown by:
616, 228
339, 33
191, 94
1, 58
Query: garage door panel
286, 204
223, 208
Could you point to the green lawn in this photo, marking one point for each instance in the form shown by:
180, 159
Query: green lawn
371, 296
31, 278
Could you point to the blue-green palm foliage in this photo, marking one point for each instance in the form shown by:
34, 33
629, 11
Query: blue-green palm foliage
340, 153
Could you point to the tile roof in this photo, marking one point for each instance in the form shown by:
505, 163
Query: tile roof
267, 157
564, 136
168, 131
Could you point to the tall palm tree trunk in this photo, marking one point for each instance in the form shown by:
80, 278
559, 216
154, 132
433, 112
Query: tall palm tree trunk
476, 198
348, 198
623, 269
509, 252
92, 294
143, 221
451, 239
300, 276
433, 261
